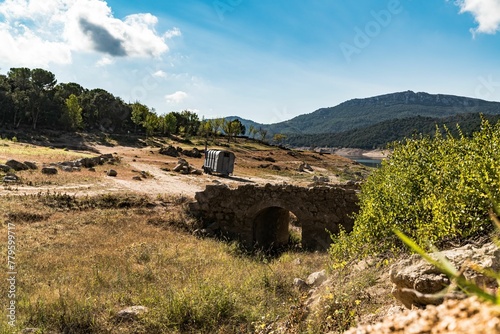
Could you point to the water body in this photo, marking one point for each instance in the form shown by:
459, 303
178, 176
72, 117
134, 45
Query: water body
370, 162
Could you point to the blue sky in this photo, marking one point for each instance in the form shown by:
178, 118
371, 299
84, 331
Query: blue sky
264, 60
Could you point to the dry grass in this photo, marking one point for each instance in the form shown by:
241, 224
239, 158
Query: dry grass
82, 260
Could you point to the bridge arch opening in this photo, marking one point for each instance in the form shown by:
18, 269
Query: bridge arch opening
275, 227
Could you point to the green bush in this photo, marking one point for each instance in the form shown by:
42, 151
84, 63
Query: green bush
432, 189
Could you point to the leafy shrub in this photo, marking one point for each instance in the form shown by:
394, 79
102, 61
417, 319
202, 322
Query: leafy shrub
432, 189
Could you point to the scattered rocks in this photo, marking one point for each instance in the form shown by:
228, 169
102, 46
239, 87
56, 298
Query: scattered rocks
468, 316
49, 170
415, 280
131, 313
112, 173
16, 165
183, 167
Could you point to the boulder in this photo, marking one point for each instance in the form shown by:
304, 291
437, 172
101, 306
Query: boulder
112, 173
316, 279
10, 178
49, 170
170, 151
4, 168
131, 313
16, 165
193, 153
415, 280
31, 164
300, 284
68, 169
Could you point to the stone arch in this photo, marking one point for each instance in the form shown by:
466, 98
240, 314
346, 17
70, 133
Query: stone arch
271, 222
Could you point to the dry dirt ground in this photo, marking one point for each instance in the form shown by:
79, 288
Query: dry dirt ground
255, 164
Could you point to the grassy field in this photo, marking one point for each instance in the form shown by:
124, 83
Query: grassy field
79, 261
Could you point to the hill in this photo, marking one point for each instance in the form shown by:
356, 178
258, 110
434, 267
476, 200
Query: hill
375, 121
380, 134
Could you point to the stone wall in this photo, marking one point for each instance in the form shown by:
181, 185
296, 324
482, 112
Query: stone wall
259, 214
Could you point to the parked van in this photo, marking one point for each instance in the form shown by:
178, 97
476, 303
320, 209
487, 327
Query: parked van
220, 162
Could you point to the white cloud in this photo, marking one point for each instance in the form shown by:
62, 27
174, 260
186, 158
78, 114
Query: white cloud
104, 61
39, 32
172, 33
176, 97
485, 12
160, 74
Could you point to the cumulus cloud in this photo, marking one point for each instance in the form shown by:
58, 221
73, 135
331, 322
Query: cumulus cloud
485, 12
39, 32
176, 97
104, 61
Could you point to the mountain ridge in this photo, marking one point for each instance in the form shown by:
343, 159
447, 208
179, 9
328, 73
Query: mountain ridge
361, 113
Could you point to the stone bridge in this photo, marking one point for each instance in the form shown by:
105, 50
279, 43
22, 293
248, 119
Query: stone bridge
261, 215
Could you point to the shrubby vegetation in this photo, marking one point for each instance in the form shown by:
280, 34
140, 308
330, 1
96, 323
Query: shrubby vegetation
432, 189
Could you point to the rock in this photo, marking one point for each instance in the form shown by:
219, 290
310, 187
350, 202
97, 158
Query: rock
17, 165
193, 153
31, 331
196, 172
131, 313
469, 316
112, 173
269, 159
316, 279
276, 167
89, 162
76, 169
300, 283
321, 179
415, 280
49, 170
31, 164
4, 168
137, 178
11, 178
170, 151
91, 169
304, 167
182, 166
68, 169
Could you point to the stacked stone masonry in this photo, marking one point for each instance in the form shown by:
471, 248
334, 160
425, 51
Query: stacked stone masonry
259, 215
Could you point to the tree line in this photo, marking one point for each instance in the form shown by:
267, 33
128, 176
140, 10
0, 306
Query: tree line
32, 98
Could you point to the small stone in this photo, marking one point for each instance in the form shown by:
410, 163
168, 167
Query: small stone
112, 173
131, 313
137, 178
